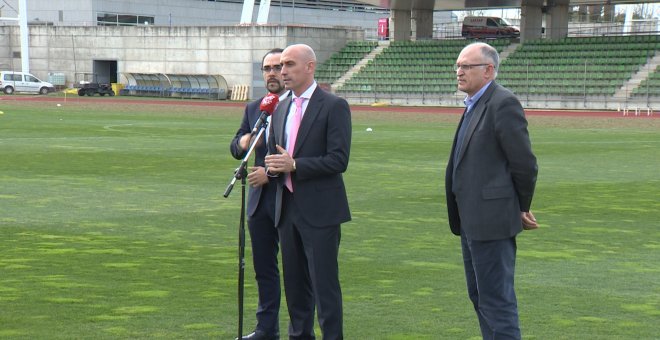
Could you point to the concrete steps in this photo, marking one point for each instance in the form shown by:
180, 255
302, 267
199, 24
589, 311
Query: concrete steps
382, 45
508, 50
627, 89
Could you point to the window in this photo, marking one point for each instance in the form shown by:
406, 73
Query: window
114, 19
13, 77
146, 20
127, 20
106, 19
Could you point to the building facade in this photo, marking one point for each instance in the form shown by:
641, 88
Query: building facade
233, 52
193, 13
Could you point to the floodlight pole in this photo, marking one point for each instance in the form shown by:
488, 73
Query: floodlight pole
25, 47
23, 28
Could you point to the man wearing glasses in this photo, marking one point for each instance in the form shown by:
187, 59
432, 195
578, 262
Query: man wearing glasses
261, 207
489, 183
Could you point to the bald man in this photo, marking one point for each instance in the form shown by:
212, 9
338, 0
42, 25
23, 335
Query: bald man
489, 182
309, 149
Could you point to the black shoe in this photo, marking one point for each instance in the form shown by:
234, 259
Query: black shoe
260, 335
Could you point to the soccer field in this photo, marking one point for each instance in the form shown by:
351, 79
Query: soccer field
113, 226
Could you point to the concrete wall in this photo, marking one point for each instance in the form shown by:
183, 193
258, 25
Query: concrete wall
231, 51
183, 13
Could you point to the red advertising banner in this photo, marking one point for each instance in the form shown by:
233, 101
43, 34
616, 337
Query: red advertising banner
383, 29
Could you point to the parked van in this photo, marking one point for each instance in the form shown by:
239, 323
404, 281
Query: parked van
11, 82
488, 27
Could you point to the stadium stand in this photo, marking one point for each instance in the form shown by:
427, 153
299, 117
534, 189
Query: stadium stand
413, 67
570, 67
649, 86
593, 66
340, 62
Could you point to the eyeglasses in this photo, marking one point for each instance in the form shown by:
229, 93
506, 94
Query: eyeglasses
467, 67
276, 68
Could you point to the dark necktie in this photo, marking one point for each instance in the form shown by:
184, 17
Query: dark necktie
467, 116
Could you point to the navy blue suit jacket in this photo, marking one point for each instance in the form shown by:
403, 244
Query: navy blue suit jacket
321, 152
250, 118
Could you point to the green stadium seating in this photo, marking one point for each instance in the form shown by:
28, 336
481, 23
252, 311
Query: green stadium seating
340, 62
650, 86
414, 67
572, 66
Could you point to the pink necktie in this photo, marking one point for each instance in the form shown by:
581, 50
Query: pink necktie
293, 135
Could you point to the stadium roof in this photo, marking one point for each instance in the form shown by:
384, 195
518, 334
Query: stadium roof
458, 5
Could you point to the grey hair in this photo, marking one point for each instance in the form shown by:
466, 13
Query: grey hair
490, 54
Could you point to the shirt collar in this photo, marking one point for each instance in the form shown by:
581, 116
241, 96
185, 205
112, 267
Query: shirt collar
308, 93
469, 101
284, 95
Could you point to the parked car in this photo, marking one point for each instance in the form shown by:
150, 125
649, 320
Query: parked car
11, 82
488, 27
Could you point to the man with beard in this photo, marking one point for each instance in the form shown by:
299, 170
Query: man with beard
261, 207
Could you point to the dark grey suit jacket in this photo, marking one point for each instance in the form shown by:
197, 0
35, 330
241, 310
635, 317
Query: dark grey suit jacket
495, 173
321, 152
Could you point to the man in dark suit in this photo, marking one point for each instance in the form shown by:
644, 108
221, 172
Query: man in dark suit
309, 149
261, 207
489, 183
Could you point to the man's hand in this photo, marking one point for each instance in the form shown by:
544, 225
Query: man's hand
246, 141
280, 163
528, 220
257, 176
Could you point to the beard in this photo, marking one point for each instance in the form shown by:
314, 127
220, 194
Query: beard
274, 86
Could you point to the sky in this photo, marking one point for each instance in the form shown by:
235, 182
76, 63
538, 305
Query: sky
515, 13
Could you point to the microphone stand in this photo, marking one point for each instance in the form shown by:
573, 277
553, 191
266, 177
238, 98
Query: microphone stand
241, 173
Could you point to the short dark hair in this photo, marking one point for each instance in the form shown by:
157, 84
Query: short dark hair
273, 51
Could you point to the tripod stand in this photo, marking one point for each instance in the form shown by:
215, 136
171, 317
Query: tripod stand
241, 173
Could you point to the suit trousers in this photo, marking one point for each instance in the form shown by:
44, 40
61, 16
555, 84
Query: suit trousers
311, 274
265, 246
489, 272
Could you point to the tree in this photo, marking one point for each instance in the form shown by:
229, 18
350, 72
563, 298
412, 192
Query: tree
644, 11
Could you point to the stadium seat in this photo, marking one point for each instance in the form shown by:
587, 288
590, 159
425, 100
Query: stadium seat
604, 62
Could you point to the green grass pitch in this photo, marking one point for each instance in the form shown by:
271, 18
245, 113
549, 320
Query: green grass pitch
113, 226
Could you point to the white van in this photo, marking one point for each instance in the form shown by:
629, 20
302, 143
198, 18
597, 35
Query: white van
11, 82
488, 27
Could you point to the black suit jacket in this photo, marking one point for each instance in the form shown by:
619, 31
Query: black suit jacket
321, 152
495, 173
250, 117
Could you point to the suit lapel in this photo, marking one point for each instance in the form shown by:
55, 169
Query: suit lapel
279, 120
312, 111
477, 114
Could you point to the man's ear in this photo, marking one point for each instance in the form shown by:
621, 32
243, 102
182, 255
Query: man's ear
311, 66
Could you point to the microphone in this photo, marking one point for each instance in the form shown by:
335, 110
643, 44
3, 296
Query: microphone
267, 107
